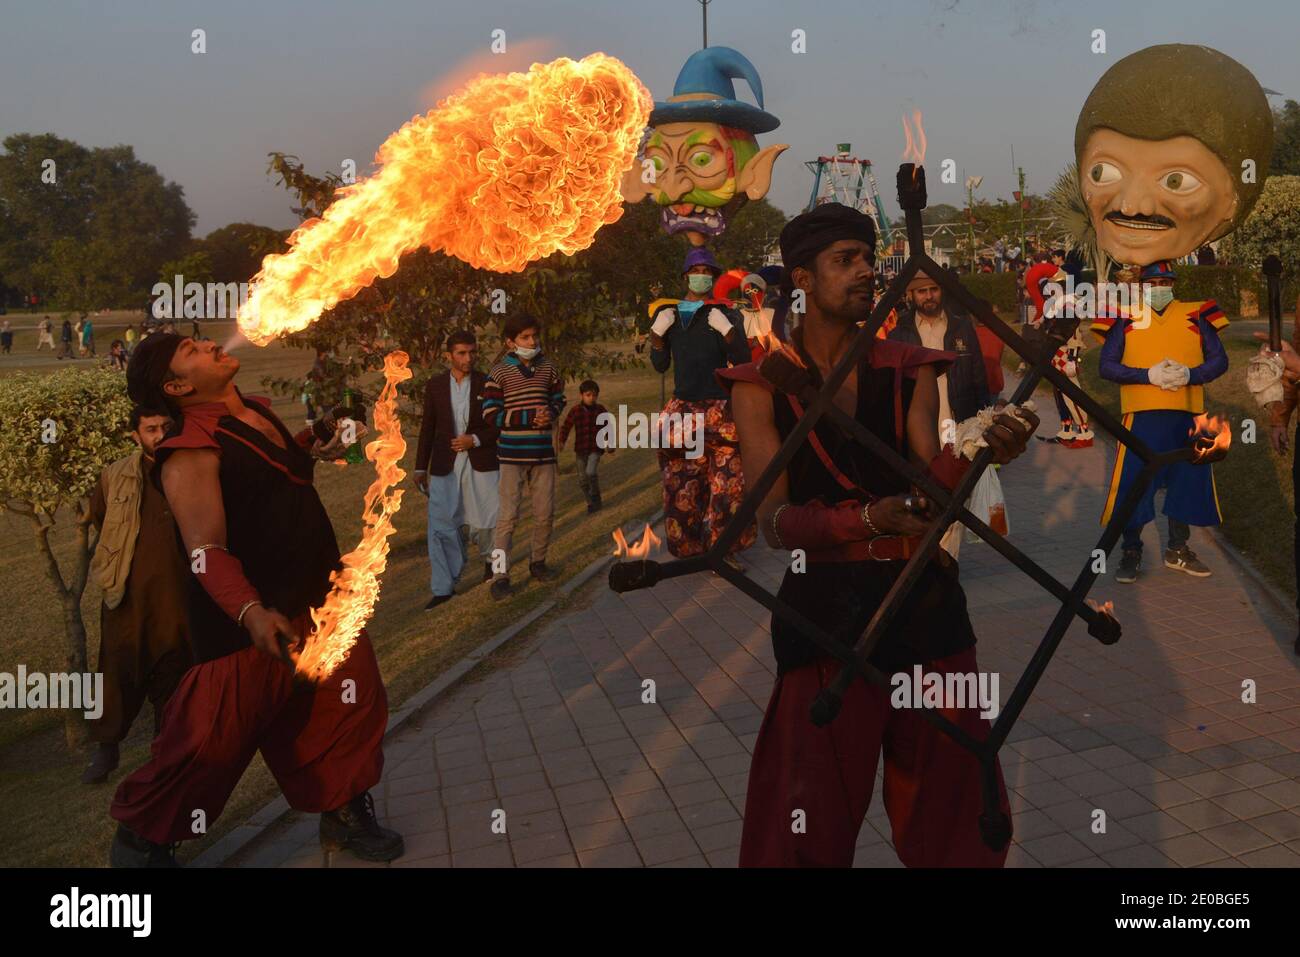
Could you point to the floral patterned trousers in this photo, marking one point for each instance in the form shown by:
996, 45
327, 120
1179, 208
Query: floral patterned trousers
701, 493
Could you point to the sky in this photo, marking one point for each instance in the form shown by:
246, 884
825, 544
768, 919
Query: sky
329, 80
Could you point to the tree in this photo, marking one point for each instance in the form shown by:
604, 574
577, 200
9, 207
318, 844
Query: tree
1273, 226
236, 251
58, 433
750, 234
1286, 139
126, 216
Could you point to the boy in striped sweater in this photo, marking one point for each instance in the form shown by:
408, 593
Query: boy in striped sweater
523, 397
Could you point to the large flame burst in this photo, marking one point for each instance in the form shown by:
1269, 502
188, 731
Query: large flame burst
508, 170
348, 606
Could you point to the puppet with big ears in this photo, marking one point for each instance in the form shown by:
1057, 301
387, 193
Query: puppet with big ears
701, 161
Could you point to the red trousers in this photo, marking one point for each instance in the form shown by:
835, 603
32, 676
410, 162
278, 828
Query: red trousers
323, 743
931, 789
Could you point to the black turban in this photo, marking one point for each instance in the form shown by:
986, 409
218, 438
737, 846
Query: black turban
809, 233
147, 370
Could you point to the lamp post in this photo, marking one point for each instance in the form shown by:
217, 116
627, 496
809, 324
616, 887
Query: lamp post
972, 184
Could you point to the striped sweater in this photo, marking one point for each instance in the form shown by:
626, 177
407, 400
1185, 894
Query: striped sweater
512, 396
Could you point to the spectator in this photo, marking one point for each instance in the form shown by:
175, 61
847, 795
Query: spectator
65, 340
6, 338
1205, 256
46, 334
87, 336
583, 419
117, 355
522, 397
131, 337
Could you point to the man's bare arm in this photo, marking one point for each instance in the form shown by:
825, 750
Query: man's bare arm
751, 406
191, 481
923, 417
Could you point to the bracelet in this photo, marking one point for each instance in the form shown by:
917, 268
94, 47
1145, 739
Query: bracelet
247, 605
204, 548
866, 520
776, 517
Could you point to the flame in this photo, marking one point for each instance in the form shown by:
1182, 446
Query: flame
1212, 437
770, 344
915, 151
1107, 609
351, 601
640, 550
512, 168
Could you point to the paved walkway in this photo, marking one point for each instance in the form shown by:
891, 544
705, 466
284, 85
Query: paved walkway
1152, 730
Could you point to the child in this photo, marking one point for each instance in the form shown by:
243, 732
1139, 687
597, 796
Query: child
523, 396
583, 419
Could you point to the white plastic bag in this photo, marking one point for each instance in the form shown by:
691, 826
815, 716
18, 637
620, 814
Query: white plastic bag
988, 504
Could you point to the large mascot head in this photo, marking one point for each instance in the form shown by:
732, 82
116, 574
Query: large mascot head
701, 161
1173, 146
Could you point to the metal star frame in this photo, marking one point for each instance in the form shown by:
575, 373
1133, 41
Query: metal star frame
995, 827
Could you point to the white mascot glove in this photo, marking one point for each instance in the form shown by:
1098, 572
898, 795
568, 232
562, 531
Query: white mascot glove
664, 321
1180, 375
1160, 374
719, 323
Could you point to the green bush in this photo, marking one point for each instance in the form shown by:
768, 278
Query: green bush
1224, 284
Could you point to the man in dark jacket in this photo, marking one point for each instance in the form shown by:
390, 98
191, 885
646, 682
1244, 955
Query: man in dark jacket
963, 389
456, 466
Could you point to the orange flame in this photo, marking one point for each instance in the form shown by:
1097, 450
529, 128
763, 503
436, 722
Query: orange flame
1212, 437
1108, 608
351, 601
915, 151
512, 168
640, 550
771, 344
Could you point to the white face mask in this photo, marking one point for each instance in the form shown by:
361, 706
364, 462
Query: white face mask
1158, 297
525, 353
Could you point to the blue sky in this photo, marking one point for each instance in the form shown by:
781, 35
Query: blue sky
329, 80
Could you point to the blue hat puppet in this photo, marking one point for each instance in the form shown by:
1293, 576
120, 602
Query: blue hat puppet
701, 161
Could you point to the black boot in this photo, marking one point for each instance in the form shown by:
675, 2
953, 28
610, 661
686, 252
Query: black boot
353, 827
102, 763
539, 572
129, 849
487, 572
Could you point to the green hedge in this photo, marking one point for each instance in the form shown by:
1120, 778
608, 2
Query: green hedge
1224, 284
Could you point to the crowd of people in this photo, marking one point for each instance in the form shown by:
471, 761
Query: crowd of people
76, 340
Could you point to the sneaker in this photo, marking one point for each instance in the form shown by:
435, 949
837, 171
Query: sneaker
130, 850
1128, 566
437, 600
539, 572
1185, 560
102, 763
353, 827
501, 589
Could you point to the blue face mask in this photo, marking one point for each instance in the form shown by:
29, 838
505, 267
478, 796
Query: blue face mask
1158, 297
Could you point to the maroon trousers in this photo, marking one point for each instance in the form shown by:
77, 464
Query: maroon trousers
931, 788
323, 743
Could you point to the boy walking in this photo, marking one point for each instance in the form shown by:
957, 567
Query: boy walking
523, 396
584, 420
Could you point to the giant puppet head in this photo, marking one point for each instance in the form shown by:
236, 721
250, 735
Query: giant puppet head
1173, 146
701, 161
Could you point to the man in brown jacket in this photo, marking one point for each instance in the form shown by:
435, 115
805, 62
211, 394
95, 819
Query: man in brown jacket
1280, 425
143, 645
456, 466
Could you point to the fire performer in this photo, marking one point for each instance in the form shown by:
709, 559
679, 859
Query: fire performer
262, 549
852, 516
143, 647
698, 335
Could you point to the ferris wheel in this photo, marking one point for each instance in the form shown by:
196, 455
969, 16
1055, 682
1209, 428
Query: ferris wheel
845, 179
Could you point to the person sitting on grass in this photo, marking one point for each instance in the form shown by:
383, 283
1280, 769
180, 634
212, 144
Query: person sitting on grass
584, 420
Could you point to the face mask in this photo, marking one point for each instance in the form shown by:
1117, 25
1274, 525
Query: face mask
1157, 297
523, 353
699, 282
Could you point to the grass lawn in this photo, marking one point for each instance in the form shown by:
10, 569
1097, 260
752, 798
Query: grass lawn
50, 819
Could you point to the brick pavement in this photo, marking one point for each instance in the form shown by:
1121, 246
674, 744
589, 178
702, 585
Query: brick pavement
1151, 730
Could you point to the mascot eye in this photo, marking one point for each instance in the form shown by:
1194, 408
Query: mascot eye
1103, 174
1180, 182
701, 159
